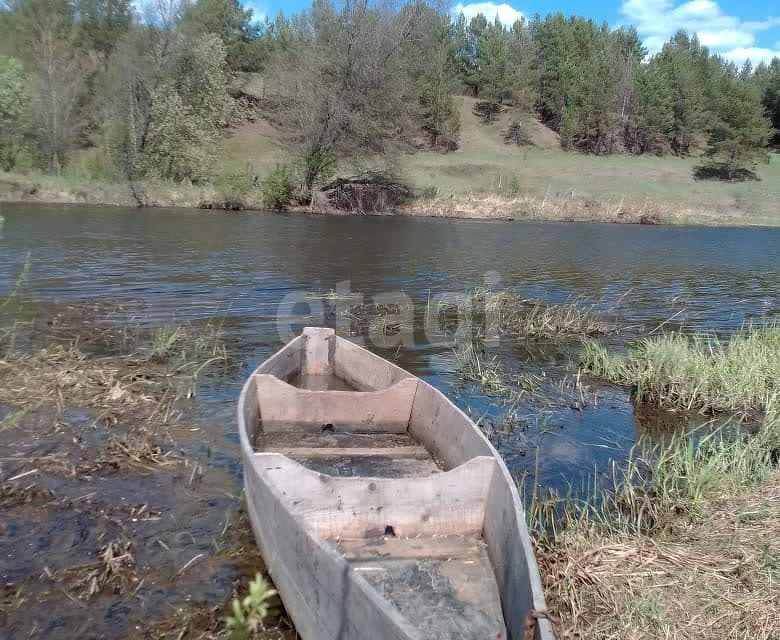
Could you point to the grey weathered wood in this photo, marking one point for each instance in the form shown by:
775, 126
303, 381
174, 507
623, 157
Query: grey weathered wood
441, 504
342, 439
436, 547
321, 535
283, 406
414, 451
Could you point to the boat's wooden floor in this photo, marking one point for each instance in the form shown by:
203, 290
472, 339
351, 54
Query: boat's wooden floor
350, 454
346, 453
444, 586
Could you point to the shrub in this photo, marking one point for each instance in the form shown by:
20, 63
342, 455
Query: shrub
516, 133
278, 187
235, 189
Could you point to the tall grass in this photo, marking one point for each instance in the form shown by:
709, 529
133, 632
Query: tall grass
660, 484
666, 539
473, 366
504, 312
741, 374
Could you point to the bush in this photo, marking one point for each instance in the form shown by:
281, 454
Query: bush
19, 154
516, 133
723, 171
487, 110
236, 189
278, 188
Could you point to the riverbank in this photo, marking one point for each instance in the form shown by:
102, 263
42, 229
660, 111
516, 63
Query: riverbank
15, 187
680, 542
708, 577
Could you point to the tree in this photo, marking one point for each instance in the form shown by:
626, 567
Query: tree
739, 132
15, 147
101, 24
682, 62
523, 56
233, 24
171, 102
349, 96
57, 85
441, 120
494, 78
654, 116
767, 79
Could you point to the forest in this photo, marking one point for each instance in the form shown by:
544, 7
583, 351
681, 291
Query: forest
145, 94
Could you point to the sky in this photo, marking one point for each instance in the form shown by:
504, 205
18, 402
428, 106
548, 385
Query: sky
736, 29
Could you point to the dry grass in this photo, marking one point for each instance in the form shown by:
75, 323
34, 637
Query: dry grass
113, 570
716, 578
553, 208
503, 312
380, 319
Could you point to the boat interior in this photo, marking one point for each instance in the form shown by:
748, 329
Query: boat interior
394, 477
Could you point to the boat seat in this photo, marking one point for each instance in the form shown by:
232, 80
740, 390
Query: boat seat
342, 506
284, 407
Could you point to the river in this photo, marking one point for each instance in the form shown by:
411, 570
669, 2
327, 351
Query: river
257, 274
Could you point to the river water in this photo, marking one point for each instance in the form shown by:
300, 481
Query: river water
167, 267
258, 274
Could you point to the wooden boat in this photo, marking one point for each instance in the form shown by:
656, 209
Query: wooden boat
381, 511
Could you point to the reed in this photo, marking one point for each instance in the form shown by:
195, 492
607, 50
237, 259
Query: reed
495, 313
699, 372
474, 366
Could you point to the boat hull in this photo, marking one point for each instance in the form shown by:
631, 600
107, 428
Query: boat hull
299, 515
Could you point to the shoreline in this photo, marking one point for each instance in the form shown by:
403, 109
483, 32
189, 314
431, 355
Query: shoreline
44, 189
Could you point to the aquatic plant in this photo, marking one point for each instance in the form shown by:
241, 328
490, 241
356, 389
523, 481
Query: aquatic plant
473, 366
504, 312
163, 341
248, 613
698, 372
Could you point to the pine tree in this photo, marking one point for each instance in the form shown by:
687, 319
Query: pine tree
767, 79
739, 132
441, 120
494, 77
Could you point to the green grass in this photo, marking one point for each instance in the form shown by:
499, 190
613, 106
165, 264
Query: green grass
643, 546
474, 366
484, 164
648, 493
741, 374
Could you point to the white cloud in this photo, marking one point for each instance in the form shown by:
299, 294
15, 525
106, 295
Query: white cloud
657, 20
754, 54
505, 12
259, 14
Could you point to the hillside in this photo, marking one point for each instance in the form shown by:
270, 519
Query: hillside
485, 167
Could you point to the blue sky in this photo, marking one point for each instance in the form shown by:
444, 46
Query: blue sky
737, 29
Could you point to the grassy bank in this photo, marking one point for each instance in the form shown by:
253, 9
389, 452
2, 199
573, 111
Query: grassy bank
691, 553
487, 178
680, 542
484, 179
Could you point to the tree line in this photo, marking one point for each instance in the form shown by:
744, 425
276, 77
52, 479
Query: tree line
601, 91
148, 93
